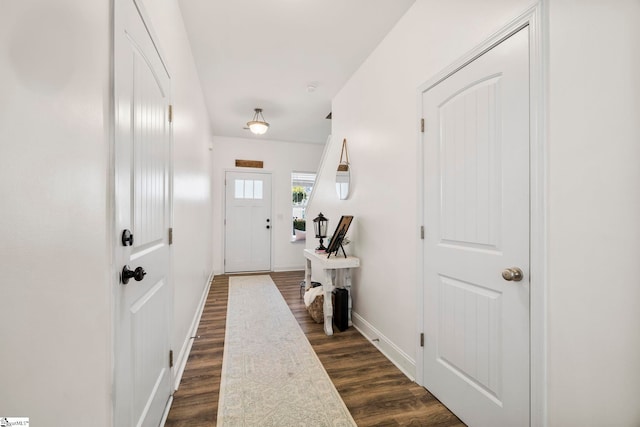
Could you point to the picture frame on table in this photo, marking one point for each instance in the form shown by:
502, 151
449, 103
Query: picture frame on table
338, 236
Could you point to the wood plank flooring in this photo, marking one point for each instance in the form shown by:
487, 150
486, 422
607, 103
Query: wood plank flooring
374, 390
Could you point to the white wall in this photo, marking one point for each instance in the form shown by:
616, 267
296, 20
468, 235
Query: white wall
377, 112
594, 213
281, 159
192, 205
593, 199
56, 274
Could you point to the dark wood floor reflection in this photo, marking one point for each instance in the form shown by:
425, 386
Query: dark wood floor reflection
374, 390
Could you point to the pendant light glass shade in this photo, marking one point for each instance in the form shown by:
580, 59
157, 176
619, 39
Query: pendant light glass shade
258, 125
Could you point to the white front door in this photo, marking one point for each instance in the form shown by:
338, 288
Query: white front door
142, 378
476, 168
248, 222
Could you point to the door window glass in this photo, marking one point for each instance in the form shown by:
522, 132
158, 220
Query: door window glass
257, 189
248, 189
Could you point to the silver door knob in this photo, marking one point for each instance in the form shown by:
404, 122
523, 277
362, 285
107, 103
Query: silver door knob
513, 274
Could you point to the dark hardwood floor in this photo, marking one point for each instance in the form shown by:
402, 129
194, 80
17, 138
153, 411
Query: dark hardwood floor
374, 390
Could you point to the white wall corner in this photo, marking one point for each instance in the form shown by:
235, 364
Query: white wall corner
180, 363
320, 169
391, 351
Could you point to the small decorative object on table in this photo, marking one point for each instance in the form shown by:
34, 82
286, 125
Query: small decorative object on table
320, 224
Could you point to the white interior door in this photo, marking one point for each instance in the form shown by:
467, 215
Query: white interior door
142, 206
248, 222
476, 167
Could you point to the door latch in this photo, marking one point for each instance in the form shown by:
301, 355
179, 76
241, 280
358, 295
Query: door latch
127, 237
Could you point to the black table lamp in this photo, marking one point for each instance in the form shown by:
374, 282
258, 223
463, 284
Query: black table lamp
320, 224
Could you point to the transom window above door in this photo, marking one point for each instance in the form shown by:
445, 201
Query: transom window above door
248, 189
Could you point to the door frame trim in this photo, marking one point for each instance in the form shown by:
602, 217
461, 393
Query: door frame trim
533, 18
224, 214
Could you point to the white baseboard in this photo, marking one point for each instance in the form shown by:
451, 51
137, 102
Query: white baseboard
294, 268
167, 408
398, 357
180, 363
275, 269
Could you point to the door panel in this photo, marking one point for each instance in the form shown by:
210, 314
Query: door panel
476, 165
469, 342
149, 169
470, 167
248, 222
149, 325
142, 378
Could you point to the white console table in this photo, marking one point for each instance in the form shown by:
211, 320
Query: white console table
329, 267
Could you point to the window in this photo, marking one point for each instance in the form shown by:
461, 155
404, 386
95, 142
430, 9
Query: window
301, 187
248, 189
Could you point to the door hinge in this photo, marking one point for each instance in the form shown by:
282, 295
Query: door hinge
422, 125
171, 358
422, 339
422, 232
170, 113
171, 236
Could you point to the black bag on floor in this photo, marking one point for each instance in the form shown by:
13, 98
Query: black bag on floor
341, 308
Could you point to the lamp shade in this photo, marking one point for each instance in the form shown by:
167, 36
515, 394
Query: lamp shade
258, 125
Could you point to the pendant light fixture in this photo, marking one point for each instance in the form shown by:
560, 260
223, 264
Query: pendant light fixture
258, 125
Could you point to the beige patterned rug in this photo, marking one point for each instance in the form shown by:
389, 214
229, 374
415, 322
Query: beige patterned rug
270, 374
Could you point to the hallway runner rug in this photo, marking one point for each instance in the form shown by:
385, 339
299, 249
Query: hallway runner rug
270, 374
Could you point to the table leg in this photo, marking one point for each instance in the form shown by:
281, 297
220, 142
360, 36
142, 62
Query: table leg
347, 285
328, 306
307, 278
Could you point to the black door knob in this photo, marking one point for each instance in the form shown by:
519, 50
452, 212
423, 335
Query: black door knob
137, 274
268, 226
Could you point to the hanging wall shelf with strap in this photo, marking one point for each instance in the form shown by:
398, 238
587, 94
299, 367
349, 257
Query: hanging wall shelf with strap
343, 176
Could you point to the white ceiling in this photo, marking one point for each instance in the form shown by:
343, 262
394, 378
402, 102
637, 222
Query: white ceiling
265, 53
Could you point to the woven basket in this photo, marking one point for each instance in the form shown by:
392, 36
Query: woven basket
316, 308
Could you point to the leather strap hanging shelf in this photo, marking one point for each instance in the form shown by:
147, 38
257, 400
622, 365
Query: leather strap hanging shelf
344, 157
